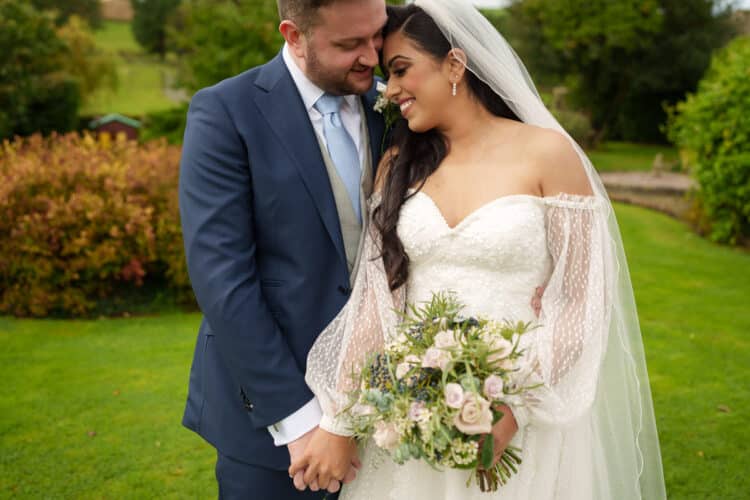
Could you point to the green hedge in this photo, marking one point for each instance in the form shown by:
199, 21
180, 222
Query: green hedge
714, 125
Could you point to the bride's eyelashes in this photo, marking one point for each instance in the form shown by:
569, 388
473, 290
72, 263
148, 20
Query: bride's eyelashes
399, 72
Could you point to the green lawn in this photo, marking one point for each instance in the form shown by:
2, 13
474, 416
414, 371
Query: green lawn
627, 156
693, 303
91, 409
117, 37
141, 77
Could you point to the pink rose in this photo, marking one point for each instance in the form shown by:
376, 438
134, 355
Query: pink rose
385, 436
475, 416
493, 387
454, 395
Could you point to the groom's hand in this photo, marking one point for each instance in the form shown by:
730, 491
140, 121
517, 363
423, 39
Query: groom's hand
328, 460
296, 450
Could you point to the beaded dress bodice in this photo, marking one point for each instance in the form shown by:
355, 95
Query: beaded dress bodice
493, 259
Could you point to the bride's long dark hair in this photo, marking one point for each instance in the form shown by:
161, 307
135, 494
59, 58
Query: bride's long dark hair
419, 154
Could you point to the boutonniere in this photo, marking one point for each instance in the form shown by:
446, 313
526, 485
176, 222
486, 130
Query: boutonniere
389, 109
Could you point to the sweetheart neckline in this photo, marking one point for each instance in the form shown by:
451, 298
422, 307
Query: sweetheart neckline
478, 209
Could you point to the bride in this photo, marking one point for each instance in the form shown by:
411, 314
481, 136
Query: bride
484, 194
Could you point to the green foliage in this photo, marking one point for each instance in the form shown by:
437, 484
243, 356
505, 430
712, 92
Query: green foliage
92, 67
714, 124
169, 124
64, 9
577, 124
36, 94
625, 58
219, 38
83, 219
150, 23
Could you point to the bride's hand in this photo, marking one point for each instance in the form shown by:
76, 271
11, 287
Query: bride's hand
328, 458
502, 432
536, 300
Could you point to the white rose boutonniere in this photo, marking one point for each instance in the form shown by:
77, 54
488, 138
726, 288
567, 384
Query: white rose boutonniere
390, 111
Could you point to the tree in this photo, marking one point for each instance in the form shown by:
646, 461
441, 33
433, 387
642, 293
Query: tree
90, 10
36, 94
625, 58
218, 39
92, 68
150, 23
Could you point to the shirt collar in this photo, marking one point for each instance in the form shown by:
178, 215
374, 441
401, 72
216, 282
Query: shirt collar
309, 92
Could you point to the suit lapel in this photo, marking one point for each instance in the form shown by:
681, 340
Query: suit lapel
283, 109
375, 126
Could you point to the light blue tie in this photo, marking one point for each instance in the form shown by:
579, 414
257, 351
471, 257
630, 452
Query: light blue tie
341, 147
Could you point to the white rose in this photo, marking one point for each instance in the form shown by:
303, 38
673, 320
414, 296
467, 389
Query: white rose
454, 395
402, 369
445, 339
385, 436
475, 416
501, 348
435, 358
493, 387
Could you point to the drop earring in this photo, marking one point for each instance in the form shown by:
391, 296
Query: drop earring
453, 91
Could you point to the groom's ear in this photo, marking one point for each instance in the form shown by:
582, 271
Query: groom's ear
294, 37
454, 65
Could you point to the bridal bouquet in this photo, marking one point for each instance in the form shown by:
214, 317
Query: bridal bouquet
432, 394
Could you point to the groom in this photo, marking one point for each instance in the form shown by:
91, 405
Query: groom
276, 166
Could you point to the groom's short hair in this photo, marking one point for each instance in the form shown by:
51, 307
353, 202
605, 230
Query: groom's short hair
304, 13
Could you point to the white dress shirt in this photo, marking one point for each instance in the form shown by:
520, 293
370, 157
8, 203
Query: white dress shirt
310, 93
306, 418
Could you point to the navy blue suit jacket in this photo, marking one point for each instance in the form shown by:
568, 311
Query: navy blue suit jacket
265, 255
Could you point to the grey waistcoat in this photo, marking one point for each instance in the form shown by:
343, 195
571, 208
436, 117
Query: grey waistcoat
351, 230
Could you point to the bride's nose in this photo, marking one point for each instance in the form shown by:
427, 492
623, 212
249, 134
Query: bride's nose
392, 90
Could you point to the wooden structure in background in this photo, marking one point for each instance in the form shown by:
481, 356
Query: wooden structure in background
115, 124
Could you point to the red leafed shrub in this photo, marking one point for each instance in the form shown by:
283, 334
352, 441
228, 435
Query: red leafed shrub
82, 218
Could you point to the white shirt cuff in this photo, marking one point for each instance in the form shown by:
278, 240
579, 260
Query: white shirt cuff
297, 424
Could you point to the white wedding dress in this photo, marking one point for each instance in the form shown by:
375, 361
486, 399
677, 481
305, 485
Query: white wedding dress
588, 431
493, 260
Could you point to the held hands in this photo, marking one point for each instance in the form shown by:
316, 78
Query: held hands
327, 460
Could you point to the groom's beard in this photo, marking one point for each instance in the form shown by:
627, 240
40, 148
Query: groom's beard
355, 80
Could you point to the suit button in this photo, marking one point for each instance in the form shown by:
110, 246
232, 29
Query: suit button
246, 402
345, 290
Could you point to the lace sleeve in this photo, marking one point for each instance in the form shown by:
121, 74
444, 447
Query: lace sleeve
565, 353
360, 329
